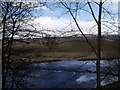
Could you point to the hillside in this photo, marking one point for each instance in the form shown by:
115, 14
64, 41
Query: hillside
66, 49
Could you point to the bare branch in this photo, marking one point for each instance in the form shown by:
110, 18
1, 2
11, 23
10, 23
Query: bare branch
79, 28
92, 12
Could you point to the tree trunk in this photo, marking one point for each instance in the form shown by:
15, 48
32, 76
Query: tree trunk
3, 54
118, 40
99, 45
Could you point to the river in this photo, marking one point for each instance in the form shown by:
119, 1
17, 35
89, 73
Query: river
63, 74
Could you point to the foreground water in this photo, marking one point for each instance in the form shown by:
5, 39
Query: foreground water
62, 74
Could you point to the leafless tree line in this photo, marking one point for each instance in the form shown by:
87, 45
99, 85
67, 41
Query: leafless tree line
14, 15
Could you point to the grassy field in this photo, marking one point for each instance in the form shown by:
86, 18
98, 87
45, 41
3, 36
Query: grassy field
68, 49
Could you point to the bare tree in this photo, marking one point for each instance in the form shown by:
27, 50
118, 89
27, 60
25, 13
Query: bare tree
50, 42
14, 15
99, 35
72, 9
99, 39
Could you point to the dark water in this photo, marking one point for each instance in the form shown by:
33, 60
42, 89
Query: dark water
62, 74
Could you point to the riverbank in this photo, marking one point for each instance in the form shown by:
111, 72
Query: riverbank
54, 56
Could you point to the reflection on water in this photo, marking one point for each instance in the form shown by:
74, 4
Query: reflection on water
63, 74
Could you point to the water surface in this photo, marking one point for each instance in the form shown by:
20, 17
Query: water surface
63, 74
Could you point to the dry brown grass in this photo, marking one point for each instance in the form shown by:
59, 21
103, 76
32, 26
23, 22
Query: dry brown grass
71, 49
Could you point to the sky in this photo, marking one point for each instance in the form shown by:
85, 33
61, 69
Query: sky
56, 20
